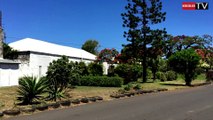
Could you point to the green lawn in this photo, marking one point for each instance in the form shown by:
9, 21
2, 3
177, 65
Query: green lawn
172, 85
8, 94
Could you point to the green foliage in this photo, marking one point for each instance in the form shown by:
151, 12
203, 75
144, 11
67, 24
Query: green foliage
59, 71
77, 70
149, 74
171, 75
83, 68
128, 87
162, 65
55, 93
161, 76
137, 87
185, 62
95, 69
30, 89
91, 46
154, 65
202, 44
59, 76
138, 18
9, 53
102, 81
199, 70
129, 72
111, 71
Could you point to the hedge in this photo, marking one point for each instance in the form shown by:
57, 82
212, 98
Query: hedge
102, 81
129, 72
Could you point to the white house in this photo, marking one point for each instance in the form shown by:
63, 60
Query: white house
34, 57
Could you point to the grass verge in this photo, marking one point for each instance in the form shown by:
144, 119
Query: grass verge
8, 94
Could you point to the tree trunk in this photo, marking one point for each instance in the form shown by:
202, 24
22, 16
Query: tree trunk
144, 63
188, 79
144, 71
188, 83
154, 75
144, 43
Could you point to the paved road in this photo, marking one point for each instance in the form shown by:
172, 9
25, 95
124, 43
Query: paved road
190, 104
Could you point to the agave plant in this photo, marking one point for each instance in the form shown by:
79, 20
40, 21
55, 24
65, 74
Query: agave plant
56, 93
31, 89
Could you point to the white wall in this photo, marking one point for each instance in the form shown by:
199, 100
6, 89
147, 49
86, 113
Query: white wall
9, 74
38, 64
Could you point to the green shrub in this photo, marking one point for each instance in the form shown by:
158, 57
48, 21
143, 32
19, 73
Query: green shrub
102, 81
185, 62
77, 70
59, 74
162, 65
129, 72
171, 75
95, 69
83, 68
149, 74
161, 76
199, 70
111, 71
31, 89
137, 87
128, 87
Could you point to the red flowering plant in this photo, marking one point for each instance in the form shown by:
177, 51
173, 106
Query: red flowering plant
107, 55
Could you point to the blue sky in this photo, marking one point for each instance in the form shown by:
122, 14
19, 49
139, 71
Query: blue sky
72, 22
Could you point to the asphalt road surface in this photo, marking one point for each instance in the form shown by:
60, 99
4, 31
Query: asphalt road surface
189, 104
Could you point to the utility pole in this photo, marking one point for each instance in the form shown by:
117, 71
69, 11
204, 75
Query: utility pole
1, 37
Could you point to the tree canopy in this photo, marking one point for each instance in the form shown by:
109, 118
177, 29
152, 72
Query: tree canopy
185, 62
8, 52
91, 46
138, 18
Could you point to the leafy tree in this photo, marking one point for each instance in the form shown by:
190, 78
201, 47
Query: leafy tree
185, 62
182, 42
31, 89
154, 65
138, 18
126, 55
129, 72
91, 46
59, 76
107, 55
9, 53
155, 53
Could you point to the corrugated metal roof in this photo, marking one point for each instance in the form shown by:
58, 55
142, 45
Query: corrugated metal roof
29, 44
